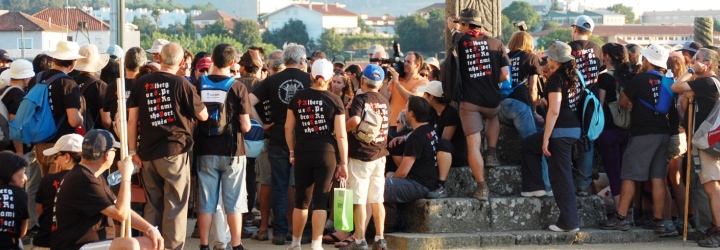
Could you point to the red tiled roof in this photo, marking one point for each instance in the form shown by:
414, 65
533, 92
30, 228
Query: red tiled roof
11, 21
57, 17
431, 7
608, 30
213, 15
332, 9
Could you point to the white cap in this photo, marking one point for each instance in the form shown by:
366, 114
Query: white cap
584, 22
375, 48
66, 143
157, 46
322, 67
66, 51
433, 88
21, 69
655, 54
433, 61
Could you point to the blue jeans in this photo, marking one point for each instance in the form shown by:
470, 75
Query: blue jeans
280, 167
584, 167
216, 172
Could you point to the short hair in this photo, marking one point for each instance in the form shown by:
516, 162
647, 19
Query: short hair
42, 62
63, 63
275, 61
134, 58
145, 70
293, 54
223, 55
418, 57
711, 56
258, 49
172, 54
420, 108
110, 72
521, 41
74, 156
355, 69
12, 163
372, 84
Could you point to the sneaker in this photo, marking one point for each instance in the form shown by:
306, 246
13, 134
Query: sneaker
439, 193
278, 240
665, 228
712, 240
294, 248
481, 194
355, 246
558, 229
380, 244
492, 160
550, 193
536, 193
260, 235
222, 248
622, 225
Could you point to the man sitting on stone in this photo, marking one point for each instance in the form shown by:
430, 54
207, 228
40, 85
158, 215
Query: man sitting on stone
418, 171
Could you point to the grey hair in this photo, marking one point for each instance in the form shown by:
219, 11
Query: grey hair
92, 156
372, 84
276, 62
712, 56
135, 57
293, 54
172, 54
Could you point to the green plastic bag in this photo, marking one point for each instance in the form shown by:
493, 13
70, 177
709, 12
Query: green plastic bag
343, 208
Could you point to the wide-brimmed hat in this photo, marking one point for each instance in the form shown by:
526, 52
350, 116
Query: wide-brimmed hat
157, 46
470, 16
655, 54
559, 52
21, 69
65, 50
93, 61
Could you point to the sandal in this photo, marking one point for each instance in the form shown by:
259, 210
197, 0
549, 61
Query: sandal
347, 241
260, 235
332, 238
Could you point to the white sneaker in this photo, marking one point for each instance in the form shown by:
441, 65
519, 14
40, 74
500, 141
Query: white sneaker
557, 229
550, 194
537, 193
294, 248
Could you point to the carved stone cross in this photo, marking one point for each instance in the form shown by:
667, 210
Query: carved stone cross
490, 10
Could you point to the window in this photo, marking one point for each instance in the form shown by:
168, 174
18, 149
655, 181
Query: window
28, 43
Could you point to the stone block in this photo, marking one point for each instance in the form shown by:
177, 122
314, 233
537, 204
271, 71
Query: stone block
460, 182
543, 238
598, 236
591, 211
452, 215
448, 241
508, 147
515, 213
504, 180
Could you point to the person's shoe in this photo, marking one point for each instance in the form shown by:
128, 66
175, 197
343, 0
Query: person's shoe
481, 194
288, 237
260, 236
439, 193
32, 232
222, 248
294, 248
536, 193
558, 229
665, 228
712, 240
247, 232
550, 193
615, 224
278, 240
491, 160
355, 246
380, 244
26, 240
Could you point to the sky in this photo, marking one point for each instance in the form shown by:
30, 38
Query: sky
658, 5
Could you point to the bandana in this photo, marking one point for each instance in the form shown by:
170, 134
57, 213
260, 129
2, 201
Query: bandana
475, 33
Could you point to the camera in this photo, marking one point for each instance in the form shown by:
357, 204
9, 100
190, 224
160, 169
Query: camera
521, 25
397, 61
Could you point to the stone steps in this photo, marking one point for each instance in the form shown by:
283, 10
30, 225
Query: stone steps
503, 180
469, 215
421, 241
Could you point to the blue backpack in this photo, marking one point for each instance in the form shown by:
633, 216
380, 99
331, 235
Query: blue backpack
665, 95
254, 142
214, 96
506, 88
34, 121
593, 118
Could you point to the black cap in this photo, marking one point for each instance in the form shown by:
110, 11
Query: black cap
317, 55
691, 47
4, 56
98, 141
470, 16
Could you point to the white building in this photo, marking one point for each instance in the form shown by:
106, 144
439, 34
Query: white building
316, 17
672, 36
95, 32
39, 35
166, 18
678, 17
382, 25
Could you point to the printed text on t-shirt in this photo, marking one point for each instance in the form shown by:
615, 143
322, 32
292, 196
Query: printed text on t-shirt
312, 119
478, 58
159, 101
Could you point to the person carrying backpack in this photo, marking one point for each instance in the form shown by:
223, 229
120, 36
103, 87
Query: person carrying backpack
63, 96
92, 89
705, 90
646, 155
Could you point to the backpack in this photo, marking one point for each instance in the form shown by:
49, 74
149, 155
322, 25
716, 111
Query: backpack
34, 122
370, 123
451, 76
4, 120
214, 96
254, 139
89, 120
506, 88
707, 136
592, 118
665, 95
620, 115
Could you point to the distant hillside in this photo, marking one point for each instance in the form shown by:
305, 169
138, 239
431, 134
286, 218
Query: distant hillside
372, 7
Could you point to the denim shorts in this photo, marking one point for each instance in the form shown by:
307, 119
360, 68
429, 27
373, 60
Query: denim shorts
227, 172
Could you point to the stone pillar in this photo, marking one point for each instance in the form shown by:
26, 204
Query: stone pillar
490, 10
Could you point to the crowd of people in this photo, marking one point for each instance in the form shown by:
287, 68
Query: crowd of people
223, 132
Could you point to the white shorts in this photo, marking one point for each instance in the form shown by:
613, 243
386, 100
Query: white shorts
710, 168
366, 180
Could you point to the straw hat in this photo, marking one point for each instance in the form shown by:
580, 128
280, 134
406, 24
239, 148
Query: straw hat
93, 61
65, 50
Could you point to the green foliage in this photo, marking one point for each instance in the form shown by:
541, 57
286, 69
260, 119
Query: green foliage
331, 42
507, 29
564, 35
523, 11
716, 25
436, 31
550, 25
33, 6
624, 10
247, 32
217, 28
364, 28
555, 6
146, 26
293, 31
415, 33
192, 44
189, 27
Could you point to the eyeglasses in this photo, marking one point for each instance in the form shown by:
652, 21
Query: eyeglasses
58, 155
233, 71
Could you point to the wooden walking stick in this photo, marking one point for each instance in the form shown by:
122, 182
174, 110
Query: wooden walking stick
121, 123
689, 157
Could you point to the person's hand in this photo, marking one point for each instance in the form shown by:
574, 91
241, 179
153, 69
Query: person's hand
396, 141
538, 118
266, 127
689, 95
136, 159
546, 152
292, 157
126, 167
342, 172
158, 243
699, 67
394, 73
451, 24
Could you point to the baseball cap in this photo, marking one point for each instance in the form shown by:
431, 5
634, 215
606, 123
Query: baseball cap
21, 69
433, 88
98, 141
433, 62
66, 143
317, 55
4, 56
691, 47
116, 52
323, 68
374, 72
339, 60
584, 22
203, 63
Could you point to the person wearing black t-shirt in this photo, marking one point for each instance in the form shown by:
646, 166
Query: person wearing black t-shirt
562, 130
418, 172
135, 57
91, 87
313, 116
13, 212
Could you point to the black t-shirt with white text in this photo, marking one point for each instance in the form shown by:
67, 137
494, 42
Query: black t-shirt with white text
231, 142
166, 106
705, 97
378, 148
315, 112
570, 106
13, 210
111, 99
449, 117
94, 94
279, 89
481, 59
588, 57
523, 65
422, 144
46, 196
64, 94
643, 120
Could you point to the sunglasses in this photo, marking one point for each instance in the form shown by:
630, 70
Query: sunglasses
58, 155
204, 70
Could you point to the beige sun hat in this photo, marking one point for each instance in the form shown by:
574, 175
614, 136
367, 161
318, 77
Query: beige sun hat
157, 46
65, 50
93, 61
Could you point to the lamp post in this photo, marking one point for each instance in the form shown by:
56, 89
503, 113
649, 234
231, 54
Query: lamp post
22, 41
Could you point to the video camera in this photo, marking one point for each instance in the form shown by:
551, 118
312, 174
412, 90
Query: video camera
521, 25
397, 61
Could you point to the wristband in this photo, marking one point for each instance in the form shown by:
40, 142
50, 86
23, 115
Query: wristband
151, 228
132, 152
691, 71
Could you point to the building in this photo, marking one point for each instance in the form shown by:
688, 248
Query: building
316, 16
600, 17
382, 25
670, 35
38, 36
678, 17
83, 27
166, 18
247, 9
425, 12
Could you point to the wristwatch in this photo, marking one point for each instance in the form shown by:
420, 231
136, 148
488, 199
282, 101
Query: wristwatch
691, 71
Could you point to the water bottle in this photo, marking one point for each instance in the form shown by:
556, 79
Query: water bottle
670, 74
115, 178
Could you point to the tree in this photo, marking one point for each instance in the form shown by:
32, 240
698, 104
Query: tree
555, 6
624, 10
146, 26
507, 29
436, 31
217, 28
331, 42
716, 25
156, 17
189, 26
294, 31
564, 35
550, 25
523, 11
411, 31
364, 28
247, 32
